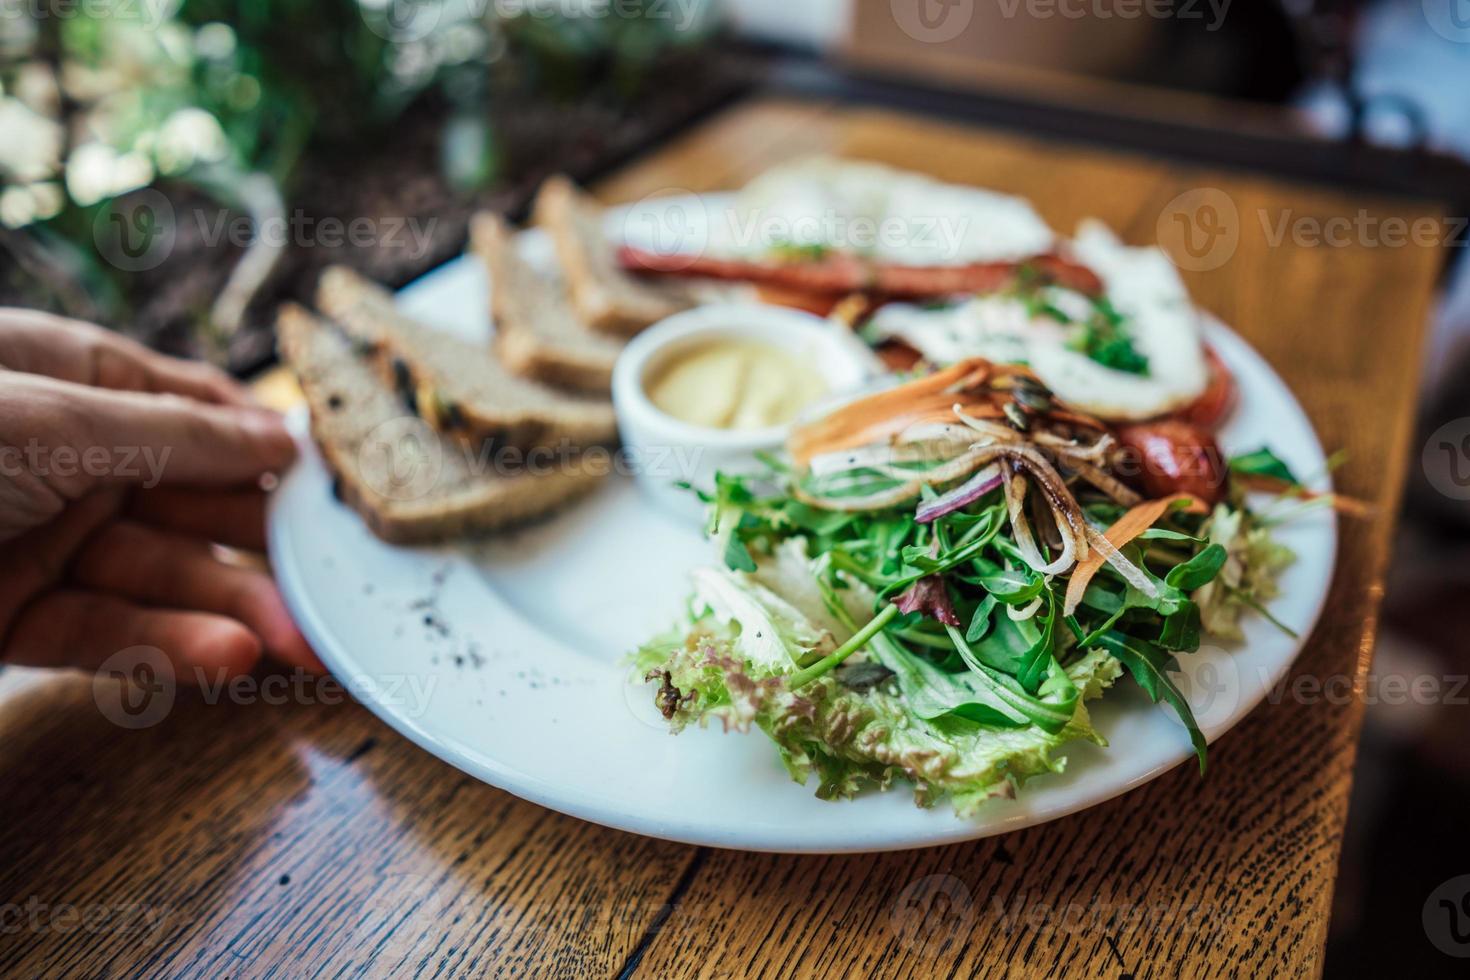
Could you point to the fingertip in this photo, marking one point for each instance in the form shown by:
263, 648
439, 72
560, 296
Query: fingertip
283, 641
267, 430
219, 649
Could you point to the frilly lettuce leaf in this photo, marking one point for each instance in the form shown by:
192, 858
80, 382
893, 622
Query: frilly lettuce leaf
770, 633
1254, 560
714, 667
778, 613
853, 739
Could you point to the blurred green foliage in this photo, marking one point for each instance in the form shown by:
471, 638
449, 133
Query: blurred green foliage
116, 95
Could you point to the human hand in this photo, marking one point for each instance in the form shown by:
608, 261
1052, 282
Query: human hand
118, 469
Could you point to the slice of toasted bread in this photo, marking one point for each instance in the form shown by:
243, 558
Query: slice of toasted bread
458, 387
409, 483
602, 292
537, 333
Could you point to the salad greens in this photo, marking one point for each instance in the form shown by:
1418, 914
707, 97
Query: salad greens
1104, 338
870, 645
1095, 328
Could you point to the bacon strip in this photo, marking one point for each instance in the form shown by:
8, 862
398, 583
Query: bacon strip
839, 273
1137, 520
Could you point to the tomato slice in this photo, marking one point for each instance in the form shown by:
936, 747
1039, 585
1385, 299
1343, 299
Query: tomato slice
1217, 401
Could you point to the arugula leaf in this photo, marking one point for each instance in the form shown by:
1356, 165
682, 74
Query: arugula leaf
1049, 712
1199, 570
1181, 629
1012, 586
1263, 462
932, 692
823, 523
1034, 666
737, 555
1164, 534
1007, 646
919, 563
1150, 667
980, 622
1105, 339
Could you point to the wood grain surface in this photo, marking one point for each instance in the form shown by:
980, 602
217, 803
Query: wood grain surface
307, 838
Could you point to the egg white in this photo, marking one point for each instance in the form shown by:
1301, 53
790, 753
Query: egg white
888, 215
1142, 285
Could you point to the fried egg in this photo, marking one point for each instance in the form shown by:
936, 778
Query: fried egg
1142, 286
883, 214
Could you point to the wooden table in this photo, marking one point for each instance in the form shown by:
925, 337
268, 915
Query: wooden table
305, 838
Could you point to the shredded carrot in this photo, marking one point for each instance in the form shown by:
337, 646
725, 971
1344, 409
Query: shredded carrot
1137, 520
928, 399
887, 412
1351, 506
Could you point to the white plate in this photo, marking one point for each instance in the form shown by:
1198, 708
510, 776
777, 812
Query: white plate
505, 658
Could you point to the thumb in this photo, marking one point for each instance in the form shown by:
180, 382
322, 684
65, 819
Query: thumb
100, 436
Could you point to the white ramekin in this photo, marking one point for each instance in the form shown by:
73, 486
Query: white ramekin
665, 451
